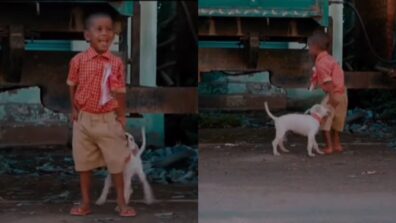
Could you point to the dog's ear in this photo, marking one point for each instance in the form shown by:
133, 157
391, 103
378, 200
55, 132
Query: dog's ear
315, 108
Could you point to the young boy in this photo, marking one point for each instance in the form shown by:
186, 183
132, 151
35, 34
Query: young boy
329, 76
97, 91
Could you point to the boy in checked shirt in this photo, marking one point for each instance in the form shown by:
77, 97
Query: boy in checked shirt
329, 76
97, 91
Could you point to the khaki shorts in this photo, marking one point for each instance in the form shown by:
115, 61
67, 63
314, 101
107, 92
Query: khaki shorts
99, 140
336, 119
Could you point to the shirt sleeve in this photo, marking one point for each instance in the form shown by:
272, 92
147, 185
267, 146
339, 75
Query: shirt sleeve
72, 77
117, 79
323, 72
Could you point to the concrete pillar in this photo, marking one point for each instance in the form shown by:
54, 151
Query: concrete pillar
336, 12
148, 43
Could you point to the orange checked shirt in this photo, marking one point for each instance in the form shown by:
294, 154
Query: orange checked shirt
86, 73
327, 69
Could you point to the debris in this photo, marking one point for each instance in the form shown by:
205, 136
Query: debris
49, 168
164, 215
368, 172
104, 220
231, 144
178, 164
59, 198
178, 196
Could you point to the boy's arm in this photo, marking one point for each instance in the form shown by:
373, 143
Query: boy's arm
118, 90
72, 91
324, 75
328, 87
121, 109
72, 81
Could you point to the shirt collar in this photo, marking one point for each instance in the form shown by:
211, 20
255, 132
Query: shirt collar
321, 55
92, 53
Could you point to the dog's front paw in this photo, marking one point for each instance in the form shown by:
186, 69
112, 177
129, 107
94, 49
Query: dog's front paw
276, 154
100, 201
311, 155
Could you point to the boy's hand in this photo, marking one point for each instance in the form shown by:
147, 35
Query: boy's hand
333, 102
74, 115
122, 121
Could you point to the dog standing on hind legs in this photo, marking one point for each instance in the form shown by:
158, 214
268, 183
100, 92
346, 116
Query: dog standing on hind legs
303, 124
133, 167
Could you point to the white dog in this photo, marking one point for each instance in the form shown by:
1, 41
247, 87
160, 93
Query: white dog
133, 167
303, 124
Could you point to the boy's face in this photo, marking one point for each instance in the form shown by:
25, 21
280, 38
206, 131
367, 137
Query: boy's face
314, 50
100, 34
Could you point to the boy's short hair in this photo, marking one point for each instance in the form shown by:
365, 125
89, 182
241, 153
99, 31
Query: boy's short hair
96, 15
320, 39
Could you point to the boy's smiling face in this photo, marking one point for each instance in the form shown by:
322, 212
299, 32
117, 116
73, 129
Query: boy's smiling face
100, 33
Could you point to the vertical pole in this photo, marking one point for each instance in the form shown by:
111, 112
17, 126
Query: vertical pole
336, 12
135, 55
148, 43
390, 27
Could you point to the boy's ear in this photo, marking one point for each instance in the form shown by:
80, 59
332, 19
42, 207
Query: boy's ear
87, 36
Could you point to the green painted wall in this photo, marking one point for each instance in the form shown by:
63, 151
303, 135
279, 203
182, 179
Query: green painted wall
218, 83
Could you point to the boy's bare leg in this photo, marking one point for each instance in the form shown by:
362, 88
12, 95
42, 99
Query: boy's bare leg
118, 180
336, 140
329, 143
85, 184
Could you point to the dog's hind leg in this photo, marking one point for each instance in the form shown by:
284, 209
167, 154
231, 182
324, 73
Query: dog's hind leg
282, 146
278, 139
316, 148
274, 147
106, 188
148, 193
311, 140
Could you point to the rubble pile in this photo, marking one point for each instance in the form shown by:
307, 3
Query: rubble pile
178, 164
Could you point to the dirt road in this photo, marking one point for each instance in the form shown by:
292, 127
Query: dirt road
242, 182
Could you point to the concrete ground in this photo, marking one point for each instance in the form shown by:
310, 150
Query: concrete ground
30, 205
47, 198
242, 182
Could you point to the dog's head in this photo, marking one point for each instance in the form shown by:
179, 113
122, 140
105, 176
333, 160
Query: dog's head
131, 142
320, 110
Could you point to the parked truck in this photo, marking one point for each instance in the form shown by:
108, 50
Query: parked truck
253, 51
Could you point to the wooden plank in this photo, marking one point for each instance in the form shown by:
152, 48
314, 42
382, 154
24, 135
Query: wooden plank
241, 102
168, 100
34, 135
287, 68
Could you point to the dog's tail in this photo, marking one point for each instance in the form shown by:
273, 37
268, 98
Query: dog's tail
268, 111
143, 146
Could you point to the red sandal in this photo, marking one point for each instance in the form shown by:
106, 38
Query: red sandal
79, 211
338, 149
328, 151
127, 212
